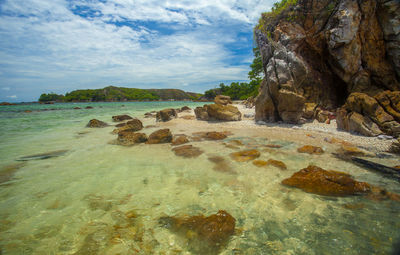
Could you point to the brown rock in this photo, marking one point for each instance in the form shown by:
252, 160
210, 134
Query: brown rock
128, 138
260, 163
149, 115
310, 149
166, 115
178, 140
94, 123
27, 111
390, 101
395, 147
236, 142
201, 113
187, 151
223, 112
348, 150
277, 163
160, 136
185, 108
119, 118
329, 183
309, 110
333, 140
243, 156
132, 125
221, 165
222, 100
215, 229
89, 107
188, 117
215, 135
274, 146
77, 108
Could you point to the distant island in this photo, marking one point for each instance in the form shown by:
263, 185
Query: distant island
120, 94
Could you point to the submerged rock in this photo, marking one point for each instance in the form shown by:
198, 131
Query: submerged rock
94, 123
221, 165
187, 151
272, 162
181, 139
160, 136
207, 234
310, 149
316, 180
45, 155
244, 156
119, 118
347, 150
7, 172
166, 115
129, 137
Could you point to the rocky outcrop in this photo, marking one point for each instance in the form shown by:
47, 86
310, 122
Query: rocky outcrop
317, 53
94, 123
166, 115
371, 116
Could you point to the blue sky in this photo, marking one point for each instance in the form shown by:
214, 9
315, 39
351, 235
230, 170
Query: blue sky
59, 45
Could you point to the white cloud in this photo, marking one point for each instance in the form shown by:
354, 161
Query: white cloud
6, 88
13, 96
45, 44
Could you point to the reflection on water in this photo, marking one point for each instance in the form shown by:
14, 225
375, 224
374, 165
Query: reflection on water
99, 198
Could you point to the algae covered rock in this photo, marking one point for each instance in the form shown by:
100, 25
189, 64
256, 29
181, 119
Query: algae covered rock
244, 156
129, 137
311, 149
94, 123
187, 151
316, 180
206, 235
160, 136
132, 125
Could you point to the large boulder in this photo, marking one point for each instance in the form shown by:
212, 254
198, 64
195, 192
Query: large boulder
94, 123
166, 114
223, 112
222, 100
320, 52
160, 136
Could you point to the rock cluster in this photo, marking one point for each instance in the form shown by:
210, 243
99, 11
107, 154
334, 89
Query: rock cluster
317, 53
221, 110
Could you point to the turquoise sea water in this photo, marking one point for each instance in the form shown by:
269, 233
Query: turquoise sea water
82, 201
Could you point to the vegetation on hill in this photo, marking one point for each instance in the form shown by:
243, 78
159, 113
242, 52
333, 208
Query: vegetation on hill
116, 94
242, 90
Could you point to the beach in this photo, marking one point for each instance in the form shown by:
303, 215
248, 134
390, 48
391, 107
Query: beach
96, 197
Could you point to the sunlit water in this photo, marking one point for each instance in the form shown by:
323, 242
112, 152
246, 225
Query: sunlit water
78, 203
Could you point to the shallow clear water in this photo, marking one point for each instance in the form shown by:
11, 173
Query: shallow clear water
78, 202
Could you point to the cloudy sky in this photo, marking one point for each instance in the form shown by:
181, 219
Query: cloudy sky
63, 45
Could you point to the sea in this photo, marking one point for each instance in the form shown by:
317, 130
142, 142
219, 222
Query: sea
67, 189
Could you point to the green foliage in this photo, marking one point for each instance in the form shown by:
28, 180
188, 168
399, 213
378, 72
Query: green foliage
237, 91
50, 97
115, 94
276, 10
256, 71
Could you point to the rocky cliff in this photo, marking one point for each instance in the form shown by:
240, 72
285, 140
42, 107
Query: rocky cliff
319, 52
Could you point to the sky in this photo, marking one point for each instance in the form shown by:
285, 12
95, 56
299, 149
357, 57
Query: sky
63, 45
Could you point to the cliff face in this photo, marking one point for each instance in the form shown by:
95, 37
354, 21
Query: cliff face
322, 51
